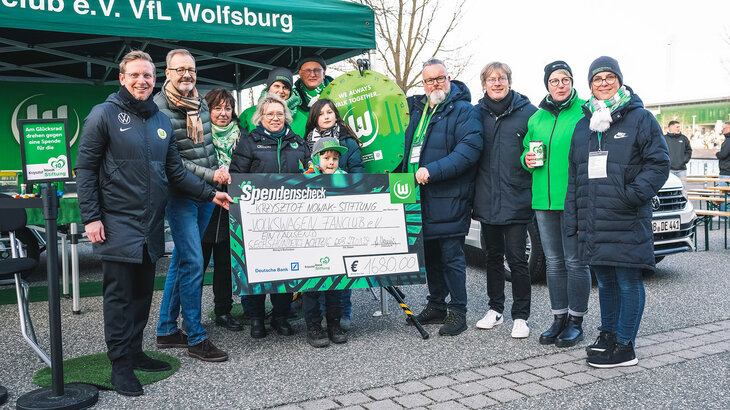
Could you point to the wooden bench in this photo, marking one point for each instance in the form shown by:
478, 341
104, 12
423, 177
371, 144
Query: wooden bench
705, 216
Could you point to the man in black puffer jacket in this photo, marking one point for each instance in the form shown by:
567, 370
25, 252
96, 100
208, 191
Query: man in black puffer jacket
187, 217
680, 150
618, 161
126, 158
443, 143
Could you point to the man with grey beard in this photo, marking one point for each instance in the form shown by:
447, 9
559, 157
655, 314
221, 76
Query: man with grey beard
443, 144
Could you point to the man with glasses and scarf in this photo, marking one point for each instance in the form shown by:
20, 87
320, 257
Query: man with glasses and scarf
188, 217
442, 146
312, 80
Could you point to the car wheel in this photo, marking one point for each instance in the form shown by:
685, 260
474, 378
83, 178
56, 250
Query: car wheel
535, 256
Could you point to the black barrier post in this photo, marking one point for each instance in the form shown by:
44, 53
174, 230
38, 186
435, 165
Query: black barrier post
74, 395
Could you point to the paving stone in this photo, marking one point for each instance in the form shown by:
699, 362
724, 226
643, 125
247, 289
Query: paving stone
321, 404
449, 405
712, 327
471, 388
605, 373
674, 335
442, 394
381, 393
581, 378
352, 399
411, 387
490, 371
557, 383
505, 395
546, 372
522, 377
692, 342
496, 383
352, 408
467, 376
287, 407
570, 368
578, 354
669, 358
647, 340
650, 363
478, 401
532, 389
695, 330
413, 400
515, 366
439, 381
709, 349
630, 369
724, 345
386, 404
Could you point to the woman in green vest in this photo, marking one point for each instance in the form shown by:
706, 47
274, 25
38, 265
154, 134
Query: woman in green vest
547, 144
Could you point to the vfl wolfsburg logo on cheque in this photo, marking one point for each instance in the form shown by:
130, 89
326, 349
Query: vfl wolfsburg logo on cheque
402, 189
377, 111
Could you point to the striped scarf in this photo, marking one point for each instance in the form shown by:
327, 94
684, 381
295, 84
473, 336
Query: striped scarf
191, 105
602, 109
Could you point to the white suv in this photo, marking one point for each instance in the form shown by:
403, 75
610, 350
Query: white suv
673, 222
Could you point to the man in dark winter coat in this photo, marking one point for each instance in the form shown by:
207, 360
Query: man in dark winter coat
187, 216
680, 150
503, 199
723, 157
126, 158
443, 143
618, 161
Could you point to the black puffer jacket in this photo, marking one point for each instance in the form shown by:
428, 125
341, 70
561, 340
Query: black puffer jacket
724, 156
612, 215
122, 171
680, 151
503, 187
199, 158
260, 153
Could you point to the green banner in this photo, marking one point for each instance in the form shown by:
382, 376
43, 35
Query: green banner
320, 23
37, 101
45, 150
377, 111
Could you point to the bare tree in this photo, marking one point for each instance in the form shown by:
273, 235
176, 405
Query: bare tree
411, 31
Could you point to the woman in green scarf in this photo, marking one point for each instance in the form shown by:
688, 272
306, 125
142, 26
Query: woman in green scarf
226, 134
280, 82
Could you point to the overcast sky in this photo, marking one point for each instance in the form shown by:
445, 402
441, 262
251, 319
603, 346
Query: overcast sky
668, 50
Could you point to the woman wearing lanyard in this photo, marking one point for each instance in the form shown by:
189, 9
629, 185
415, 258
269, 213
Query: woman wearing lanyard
618, 161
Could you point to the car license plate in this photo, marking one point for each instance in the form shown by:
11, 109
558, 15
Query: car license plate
665, 225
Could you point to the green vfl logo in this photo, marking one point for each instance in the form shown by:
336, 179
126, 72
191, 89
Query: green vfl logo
402, 188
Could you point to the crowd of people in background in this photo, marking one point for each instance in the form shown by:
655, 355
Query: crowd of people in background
585, 170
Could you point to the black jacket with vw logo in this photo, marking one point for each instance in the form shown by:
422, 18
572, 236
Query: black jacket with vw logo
612, 215
125, 161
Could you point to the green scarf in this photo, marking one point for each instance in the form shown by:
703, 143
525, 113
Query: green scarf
293, 101
310, 96
225, 139
622, 96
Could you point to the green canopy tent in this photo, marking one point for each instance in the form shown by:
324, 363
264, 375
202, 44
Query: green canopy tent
234, 42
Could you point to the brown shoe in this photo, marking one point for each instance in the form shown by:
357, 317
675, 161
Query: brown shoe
177, 339
207, 352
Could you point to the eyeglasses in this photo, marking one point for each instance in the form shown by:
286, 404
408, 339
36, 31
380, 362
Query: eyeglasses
182, 70
430, 81
493, 80
135, 76
555, 81
610, 80
222, 108
272, 115
312, 71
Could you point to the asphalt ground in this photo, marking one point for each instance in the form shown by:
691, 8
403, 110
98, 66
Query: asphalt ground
689, 289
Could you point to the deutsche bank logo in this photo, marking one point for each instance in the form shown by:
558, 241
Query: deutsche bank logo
295, 266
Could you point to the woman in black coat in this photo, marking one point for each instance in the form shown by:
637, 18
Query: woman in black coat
618, 162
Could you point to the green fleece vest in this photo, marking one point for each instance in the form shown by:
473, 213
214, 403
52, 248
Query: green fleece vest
550, 181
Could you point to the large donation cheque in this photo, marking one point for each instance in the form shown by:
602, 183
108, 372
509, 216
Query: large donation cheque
297, 232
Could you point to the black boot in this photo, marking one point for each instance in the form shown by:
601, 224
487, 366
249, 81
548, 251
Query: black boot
258, 329
282, 326
572, 334
140, 361
123, 378
429, 315
316, 336
548, 337
335, 332
454, 324
604, 341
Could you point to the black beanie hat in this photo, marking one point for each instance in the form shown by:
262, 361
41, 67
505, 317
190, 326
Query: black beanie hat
556, 65
280, 74
605, 63
313, 59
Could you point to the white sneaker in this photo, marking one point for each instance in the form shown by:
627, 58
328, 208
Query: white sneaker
490, 320
520, 330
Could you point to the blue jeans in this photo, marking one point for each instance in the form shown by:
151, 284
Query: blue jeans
188, 220
568, 280
621, 297
722, 206
446, 273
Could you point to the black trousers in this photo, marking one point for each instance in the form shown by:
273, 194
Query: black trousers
255, 305
508, 241
127, 297
222, 282
332, 301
